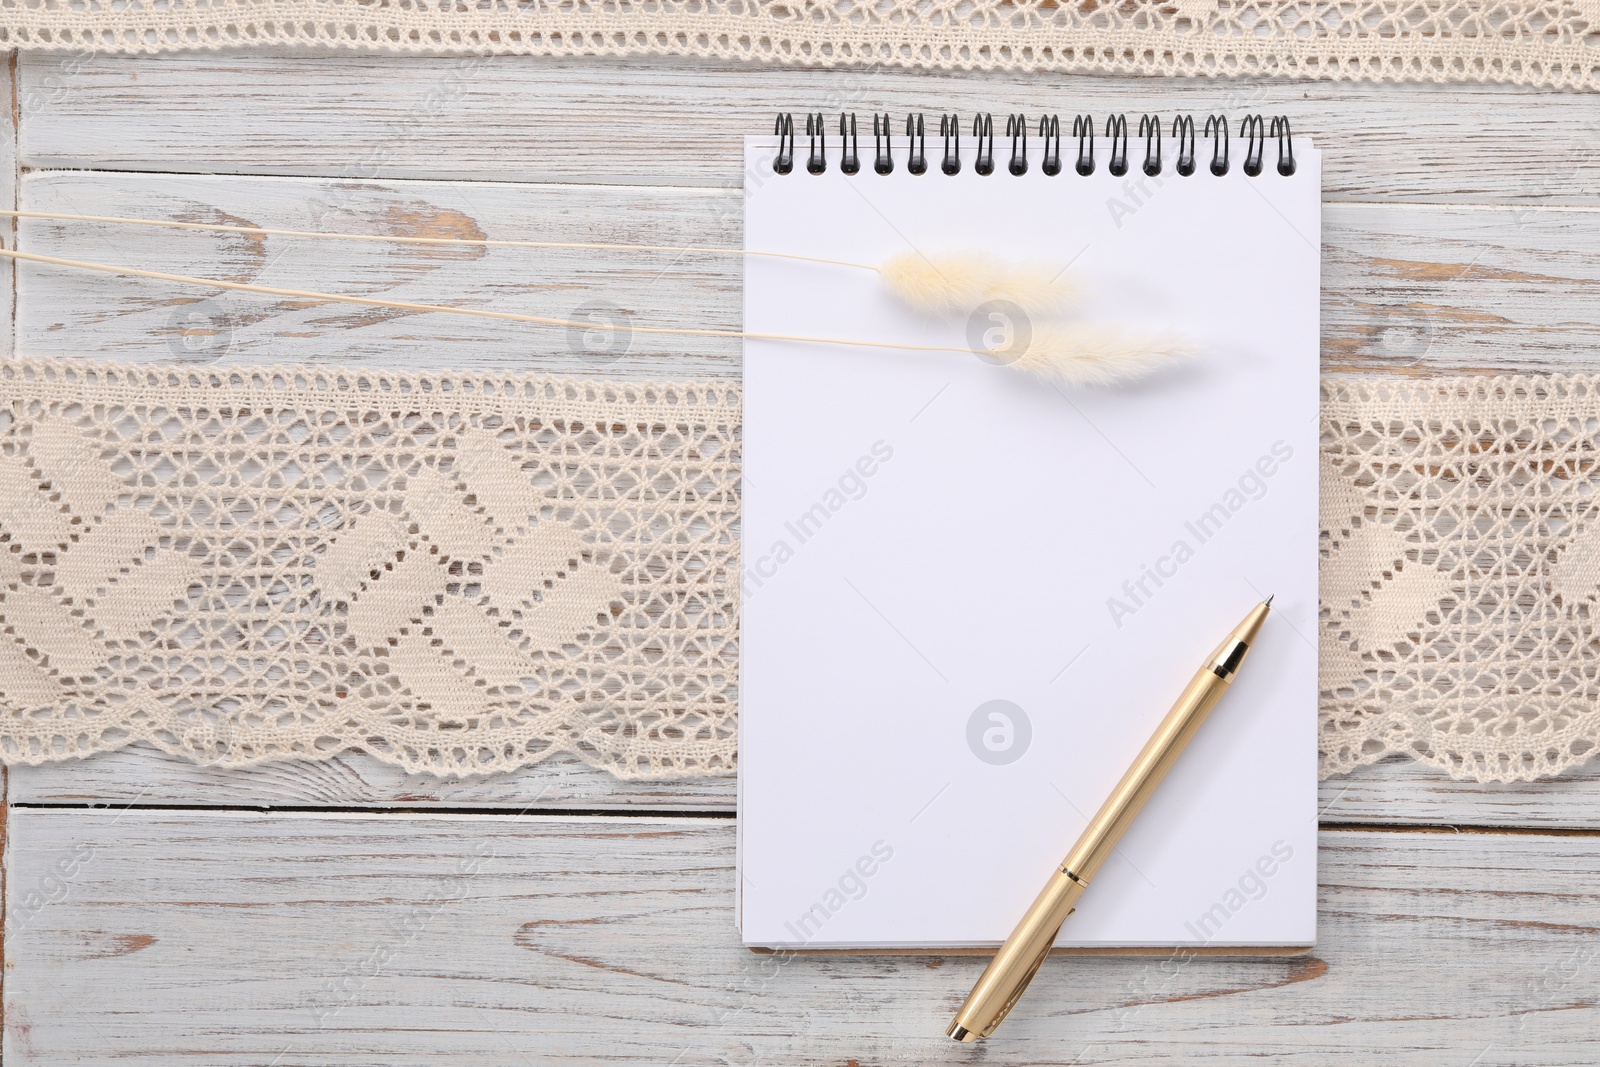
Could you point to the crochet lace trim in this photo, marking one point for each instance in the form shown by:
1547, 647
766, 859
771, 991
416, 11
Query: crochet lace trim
1554, 43
1461, 574
465, 573
459, 574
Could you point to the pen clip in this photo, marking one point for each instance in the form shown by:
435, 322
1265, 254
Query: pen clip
1022, 986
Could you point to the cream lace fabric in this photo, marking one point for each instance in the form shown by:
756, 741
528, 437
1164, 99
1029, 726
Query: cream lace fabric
467, 573
1461, 574
1547, 43
458, 574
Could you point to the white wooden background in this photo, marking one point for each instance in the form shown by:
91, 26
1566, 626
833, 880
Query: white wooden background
346, 913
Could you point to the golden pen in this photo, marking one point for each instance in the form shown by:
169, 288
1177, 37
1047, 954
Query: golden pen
1013, 967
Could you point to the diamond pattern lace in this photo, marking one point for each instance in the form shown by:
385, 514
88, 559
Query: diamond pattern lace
464, 574
1461, 574
458, 574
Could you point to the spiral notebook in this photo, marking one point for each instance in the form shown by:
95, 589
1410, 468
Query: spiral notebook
969, 594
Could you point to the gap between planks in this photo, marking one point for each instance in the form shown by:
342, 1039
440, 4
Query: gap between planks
671, 814
564, 815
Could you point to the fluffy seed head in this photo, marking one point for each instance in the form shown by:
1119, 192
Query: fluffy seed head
1094, 356
962, 282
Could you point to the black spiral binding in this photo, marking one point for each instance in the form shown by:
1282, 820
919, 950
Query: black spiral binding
817, 144
1017, 130
1117, 134
1050, 134
950, 130
1150, 130
1183, 131
1280, 130
1254, 132
850, 161
1083, 129
1257, 133
1217, 130
983, 133
916, 146
883, 158
783, 162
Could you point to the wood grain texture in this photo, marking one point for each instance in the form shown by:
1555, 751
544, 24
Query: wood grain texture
1401, 792
1405, 287
666, 122
1397, 792
68, 312
141, 775
9, 196
193, 938
1425, 288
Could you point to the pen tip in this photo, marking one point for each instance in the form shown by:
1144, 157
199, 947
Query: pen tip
1268, 601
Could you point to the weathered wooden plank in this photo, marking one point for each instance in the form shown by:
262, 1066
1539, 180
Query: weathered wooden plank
1401, 792
1475, 287
142, 775
184, 937
8, 196
1396, 792
665, 122
75, 312
1406, 287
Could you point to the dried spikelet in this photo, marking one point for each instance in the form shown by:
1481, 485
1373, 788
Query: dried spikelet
1094, 356
961, 283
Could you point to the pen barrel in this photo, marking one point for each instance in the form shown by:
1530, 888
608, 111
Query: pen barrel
1014, 966
1100, 837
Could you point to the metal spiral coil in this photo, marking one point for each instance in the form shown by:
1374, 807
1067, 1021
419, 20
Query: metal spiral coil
1257, 132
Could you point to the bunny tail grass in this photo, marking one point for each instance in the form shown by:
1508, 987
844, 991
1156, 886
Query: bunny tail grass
1094, 356
961, 283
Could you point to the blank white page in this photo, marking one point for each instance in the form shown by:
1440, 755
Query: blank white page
927, 534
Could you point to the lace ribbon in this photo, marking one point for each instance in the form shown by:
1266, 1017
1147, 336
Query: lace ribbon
1553, 43
1461, 574
464, 574
457, 573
